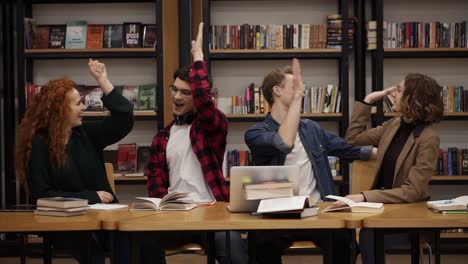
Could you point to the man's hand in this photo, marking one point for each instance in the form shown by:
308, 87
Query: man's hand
197, 45
376, 96
298, 85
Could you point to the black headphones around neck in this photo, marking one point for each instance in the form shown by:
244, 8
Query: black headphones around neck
185, 119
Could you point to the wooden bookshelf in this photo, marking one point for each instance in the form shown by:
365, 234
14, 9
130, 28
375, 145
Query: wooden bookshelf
425, 53
454, 235
214, 51
89, 50
138, 114
449, 178
259, 117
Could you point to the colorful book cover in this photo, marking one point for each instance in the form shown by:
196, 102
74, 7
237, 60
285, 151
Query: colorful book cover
132, 36
149, 36
76, 35
147, 96
57, 36
95, 37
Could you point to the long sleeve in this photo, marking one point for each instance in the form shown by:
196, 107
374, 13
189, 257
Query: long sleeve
415, 186
357, 133
336, 146
43, 184
212, 120
156, 167
114, 127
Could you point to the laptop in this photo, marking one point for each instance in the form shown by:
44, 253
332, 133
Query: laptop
241, 175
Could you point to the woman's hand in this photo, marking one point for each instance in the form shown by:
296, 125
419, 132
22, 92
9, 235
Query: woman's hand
376, 96
105, 197
197, 45
354, 197
97, 69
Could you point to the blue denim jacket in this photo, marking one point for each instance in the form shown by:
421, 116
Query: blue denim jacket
268, 148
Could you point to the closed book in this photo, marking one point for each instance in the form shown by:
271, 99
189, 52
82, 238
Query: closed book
260, 194
149, 36
268, 185
73, 209
62, 202
113, 36
76, 35
132, 35
107, 207
351, 206
57, 36
59, 213
95, 37
303, 213
147, 96
126, 157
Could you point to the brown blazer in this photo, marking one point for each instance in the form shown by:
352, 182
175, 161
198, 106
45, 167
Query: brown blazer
415, 164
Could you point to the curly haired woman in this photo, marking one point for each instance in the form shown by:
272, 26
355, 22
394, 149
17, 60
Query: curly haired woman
408, 147
58, 155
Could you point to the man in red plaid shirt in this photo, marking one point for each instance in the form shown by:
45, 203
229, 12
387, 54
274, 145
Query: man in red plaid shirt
187, 156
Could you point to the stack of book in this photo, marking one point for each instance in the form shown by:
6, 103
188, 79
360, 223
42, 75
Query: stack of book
60, 206
267, 190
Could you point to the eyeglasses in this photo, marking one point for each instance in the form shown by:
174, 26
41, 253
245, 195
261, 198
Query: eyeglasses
184, 92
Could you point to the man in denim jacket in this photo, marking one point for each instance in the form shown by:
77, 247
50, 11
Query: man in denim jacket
286, 139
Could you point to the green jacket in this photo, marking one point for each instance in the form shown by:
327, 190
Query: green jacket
84, 173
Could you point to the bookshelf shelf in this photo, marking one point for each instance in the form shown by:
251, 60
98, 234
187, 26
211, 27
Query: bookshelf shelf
87, 53
447, 116
445, 179
454, 235
273, 54
130, 180
426, 53
138, 114
260, 117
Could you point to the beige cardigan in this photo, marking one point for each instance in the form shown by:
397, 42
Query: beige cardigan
415, 164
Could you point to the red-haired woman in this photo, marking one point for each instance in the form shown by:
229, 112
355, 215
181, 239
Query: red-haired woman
58, 155
408, 147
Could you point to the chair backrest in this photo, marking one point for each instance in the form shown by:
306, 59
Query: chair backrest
110, 175
363, 175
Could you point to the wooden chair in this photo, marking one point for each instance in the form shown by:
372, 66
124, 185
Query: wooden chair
362, 178
110, 175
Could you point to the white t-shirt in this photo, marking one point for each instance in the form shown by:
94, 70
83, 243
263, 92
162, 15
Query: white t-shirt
185, 173
307, 182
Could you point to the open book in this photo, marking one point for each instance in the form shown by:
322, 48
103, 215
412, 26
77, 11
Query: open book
170, 202
457, 204
351, 206
288, 207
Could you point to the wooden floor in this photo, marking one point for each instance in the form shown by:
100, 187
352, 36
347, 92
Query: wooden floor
195, 259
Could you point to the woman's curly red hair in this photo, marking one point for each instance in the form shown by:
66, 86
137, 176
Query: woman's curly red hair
45, 117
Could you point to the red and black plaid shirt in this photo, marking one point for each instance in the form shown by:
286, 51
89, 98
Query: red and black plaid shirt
207, 134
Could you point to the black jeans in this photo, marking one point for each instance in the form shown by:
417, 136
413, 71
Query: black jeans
270, 245
152, 245
77, 245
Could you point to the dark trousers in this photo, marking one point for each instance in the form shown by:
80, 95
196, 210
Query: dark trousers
79, 244
153, 245
270, 245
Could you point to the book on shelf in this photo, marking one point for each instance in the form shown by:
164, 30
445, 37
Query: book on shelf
76, 35
113, 36
149, 36
457, 204
61, 202
127, 157
95, 37
132, 35
175, 201
41, 41
147, 96
30, 32
131, 93
92, 98
268, 190
143, 153
57, 35
351, 206
288, 207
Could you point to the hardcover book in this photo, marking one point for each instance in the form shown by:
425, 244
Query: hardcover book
57, 36
132, 35
61, 202
76, 35
113, 36
131, 93
41, 41
147, 97
95, 37
149, 36
126, 157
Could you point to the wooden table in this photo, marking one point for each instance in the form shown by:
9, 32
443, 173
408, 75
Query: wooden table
218, 218
411, 217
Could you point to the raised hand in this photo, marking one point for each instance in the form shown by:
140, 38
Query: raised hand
298, 85
197, 45
378, 95
97, 69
